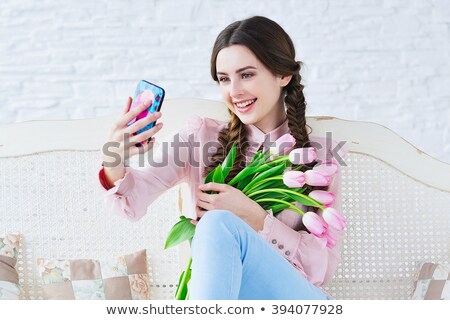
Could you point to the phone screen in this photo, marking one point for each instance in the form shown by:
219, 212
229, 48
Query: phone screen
147, 91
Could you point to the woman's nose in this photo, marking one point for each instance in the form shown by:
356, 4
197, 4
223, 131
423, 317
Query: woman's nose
236, 89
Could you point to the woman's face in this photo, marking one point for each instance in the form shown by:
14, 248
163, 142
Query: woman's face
249, 89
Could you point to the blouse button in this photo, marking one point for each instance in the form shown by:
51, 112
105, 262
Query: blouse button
274, 241
287, 252
280, 246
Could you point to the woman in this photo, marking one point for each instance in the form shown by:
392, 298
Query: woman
239, 251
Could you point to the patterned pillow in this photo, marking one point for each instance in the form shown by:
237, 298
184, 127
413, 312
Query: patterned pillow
9, 279
121, 278
432, 282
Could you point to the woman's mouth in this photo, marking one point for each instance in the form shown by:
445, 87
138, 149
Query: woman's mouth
245, 106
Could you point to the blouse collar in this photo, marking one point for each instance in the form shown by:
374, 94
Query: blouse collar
256, 137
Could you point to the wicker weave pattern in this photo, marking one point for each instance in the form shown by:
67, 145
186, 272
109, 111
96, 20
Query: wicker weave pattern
53, 199
394, 223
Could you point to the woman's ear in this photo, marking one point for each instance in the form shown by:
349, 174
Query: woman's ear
285, 80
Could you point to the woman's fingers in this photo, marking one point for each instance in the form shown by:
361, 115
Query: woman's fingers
142, 148
141, 123
127, 106
133, 113
145, 135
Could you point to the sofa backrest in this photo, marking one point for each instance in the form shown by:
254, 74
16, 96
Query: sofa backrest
396, 199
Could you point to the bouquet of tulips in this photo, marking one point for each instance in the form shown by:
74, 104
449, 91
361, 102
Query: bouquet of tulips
271, 181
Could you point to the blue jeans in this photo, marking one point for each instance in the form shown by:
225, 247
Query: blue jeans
230, 260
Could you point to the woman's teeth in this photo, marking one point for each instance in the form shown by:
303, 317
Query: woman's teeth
244, 104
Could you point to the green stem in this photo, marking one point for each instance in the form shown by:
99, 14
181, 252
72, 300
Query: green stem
284, 191
249, 187
184, 281
294, 208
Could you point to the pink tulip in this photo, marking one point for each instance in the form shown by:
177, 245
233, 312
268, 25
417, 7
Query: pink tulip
315, 178
282, 145
302, 155
334, 219
315, 224
331, 240
327, 168
324, 197
294, 179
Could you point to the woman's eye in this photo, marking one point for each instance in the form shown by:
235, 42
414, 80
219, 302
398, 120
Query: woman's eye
223, 79
246, 75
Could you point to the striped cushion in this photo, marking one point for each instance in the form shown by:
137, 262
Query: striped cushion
432, 282
121, 278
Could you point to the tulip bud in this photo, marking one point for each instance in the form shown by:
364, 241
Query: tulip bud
302, 155
327, 168
282, 145
334, 219
315, 224
294, 179
315, 178
326, 198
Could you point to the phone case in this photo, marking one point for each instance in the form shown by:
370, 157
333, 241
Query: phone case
146, 90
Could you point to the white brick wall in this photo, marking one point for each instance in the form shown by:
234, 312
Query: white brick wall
373, 60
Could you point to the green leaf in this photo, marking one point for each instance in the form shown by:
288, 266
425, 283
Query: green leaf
271, 172
181, 231
229, 161
209, 177
250, 169
278, 207
218, 175
244, 182
304, 199
274, 195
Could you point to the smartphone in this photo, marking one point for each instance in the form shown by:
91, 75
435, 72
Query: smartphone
147, 91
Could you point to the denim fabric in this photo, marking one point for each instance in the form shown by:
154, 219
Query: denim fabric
230, 260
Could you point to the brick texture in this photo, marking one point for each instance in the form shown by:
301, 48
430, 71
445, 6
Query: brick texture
371, 60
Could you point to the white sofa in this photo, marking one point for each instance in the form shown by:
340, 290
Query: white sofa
396, 198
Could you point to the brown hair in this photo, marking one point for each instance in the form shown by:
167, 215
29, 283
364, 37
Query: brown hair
275, 49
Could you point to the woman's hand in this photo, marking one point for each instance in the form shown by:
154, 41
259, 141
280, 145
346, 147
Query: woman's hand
122, 140
231, 199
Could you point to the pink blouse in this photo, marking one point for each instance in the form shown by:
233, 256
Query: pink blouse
170, 166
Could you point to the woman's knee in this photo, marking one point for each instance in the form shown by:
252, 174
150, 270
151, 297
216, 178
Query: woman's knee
215, 216
214, 219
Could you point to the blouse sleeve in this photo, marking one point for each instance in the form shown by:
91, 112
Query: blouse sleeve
168, 166
306, 252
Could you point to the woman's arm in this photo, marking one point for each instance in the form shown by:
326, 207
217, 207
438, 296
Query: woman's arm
169, 165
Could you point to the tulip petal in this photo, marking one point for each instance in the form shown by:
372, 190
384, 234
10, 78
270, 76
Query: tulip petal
326, 198
327, 168
302, 155
334, 219
294, 179
315, 224
315, 178
283, 145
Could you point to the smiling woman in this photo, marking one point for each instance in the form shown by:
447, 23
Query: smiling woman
253, 61
253, 92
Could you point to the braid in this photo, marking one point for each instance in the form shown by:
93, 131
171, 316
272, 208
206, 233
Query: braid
235, 132
296, 110
296, 107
